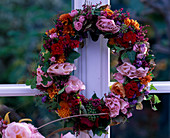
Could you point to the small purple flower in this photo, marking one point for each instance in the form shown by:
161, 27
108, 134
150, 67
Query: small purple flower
133, 102
44, 99
146, 92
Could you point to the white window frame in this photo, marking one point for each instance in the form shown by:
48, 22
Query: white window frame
101, 77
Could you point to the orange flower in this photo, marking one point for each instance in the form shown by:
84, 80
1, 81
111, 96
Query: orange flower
52, 91
109, 11
145, 80
117, 88
135, 24
68, 29
111, 41
64, 18
127, 21
61, 59
64, 111
53, 30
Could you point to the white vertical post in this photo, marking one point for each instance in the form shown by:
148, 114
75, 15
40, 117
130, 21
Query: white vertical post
94, 63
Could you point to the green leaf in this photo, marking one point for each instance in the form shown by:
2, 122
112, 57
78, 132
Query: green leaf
156, 99
46, 56
62, 90
131, 56
154, 108
42, 49
32, 82
45, 67
95, 96
149, 57
152, 87
124, 55
45, 79
72, 56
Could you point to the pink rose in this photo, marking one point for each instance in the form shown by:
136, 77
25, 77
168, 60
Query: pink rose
73, 13
68, 135
34, 131
40, 73
113, 104
81, 18
78, 25
52, 59
129, 70
54, 35
15, 130
119, 77
74, 85
141, 72
107, 25
61, 69
126, 68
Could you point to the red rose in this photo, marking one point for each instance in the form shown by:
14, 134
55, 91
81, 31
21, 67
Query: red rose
105, 110
57, 49
85, 124
131, 89
129, 37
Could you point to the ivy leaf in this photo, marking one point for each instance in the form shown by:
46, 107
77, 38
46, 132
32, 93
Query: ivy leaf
131, 56
152, 87
46, 56
156, 99
149, 57
32, 82
124, 55
154, 108
45, 67
45, 79
72, 56
95, 96
62, 90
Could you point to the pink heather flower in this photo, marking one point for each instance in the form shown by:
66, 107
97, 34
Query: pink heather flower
73, 13
107, 25
52, 59
74, 85
129, 70
118, 76
54, 35
39, 78
61, 69
23, 130
68, 135
78, 25
81, 18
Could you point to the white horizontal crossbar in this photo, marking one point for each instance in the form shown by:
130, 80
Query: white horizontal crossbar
23, 90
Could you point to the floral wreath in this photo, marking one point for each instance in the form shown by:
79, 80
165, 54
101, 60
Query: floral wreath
61, 90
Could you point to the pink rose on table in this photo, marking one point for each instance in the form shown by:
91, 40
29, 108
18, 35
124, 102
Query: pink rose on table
73, 13
61, 69
68, 135
119, 77
78, 25
107, 25
21, 130
81, 18
74, 85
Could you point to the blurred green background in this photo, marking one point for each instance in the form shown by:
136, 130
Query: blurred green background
22, 23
